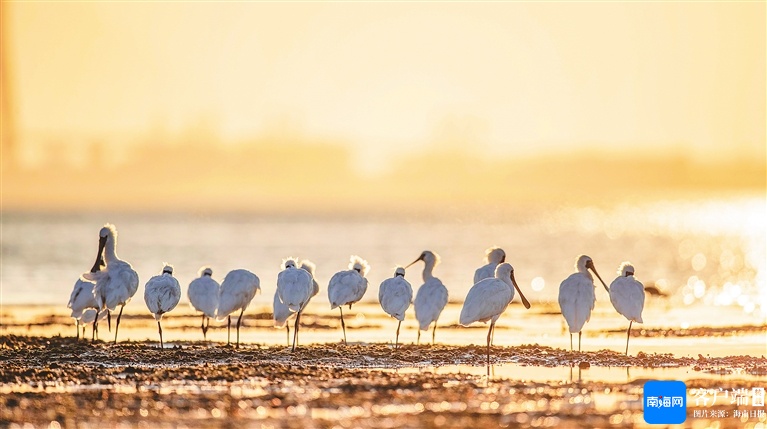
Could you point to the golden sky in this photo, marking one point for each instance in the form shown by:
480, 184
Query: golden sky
520, 78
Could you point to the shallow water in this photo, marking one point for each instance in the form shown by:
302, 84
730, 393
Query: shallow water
707, 253
567, 374
668, 329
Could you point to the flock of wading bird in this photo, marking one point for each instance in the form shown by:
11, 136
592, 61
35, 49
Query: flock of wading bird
112, 282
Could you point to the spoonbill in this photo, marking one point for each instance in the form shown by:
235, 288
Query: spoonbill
281, 314
431, 297
89, 318
82, 298
488, 299
294, 289
627, 296
576, 296
281, 311
493, 257
203, 297
117, 282
395, 295
162, 294
348, 287
237, 290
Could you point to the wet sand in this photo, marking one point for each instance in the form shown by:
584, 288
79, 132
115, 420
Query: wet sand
77, 383
50, 379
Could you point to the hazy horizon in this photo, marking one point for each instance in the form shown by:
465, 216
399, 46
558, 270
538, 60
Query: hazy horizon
306, 178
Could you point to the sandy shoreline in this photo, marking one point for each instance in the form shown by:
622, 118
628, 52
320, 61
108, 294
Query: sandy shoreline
195, 384
535, 381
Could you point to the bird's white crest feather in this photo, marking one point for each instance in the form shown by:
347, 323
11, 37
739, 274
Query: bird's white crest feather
308, 266
167, 267
495, 252
357, 263
204, 270
625, 266
580, 263
399, 270
289, 260
107, 229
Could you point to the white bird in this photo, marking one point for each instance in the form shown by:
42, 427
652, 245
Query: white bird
281, 311
203, 297
431, 297
627, 296
395, 295
488, 299
82, 298
281, 314
348, 287
493, 257
576, 296
117, 282
237, 290
162, 294
89, 318
294, 290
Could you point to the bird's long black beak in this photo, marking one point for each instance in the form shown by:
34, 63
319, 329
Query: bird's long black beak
419, 259
525, 302
591, 265
99, 259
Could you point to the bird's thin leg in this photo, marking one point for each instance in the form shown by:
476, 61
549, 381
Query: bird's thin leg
571, 341
579, 341
228, 329
418, 341
203, 327
118, 321
239, 319
83, 332
77, 328
434, 333
109, 320
489, 336
396, 340
160, 329
343, 325
95, 328
287, 328
298, 326
295, 331
207, 326
628, 335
